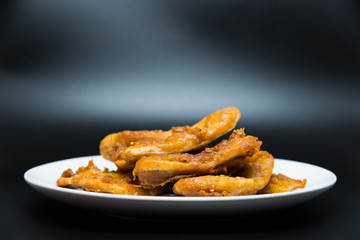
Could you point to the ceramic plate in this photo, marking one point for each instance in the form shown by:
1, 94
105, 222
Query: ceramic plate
43, 178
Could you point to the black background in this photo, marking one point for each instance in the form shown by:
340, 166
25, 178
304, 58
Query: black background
72, 72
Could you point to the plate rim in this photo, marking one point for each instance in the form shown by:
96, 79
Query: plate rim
36, 183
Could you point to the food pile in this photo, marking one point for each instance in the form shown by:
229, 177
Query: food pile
180, 161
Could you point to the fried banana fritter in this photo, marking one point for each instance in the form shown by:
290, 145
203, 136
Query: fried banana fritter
160, 169
281, 183
112, 145
251, 174
125, 148
150, 162
90, 178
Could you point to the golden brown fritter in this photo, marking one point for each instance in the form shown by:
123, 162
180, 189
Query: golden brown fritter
252, 174
281, 183
160, 169
211, 185
90, 178
112, 145
146, 160
125, 148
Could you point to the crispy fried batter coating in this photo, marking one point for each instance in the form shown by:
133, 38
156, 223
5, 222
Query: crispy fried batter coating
158, 170
112, 145
90, 178
149, 162
252, 174
125, 148
281, 183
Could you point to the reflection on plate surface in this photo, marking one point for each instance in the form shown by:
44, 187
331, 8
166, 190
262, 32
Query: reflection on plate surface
43, 178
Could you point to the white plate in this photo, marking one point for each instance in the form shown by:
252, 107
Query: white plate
43, 178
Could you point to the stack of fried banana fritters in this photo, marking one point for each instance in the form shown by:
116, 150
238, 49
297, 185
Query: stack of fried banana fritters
152, 162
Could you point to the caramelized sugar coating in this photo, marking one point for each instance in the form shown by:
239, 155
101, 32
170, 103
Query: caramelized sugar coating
248, 176
158, 170
125, 148
281, 183
90, 178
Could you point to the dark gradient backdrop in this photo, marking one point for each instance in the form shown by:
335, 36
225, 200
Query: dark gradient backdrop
73, 71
